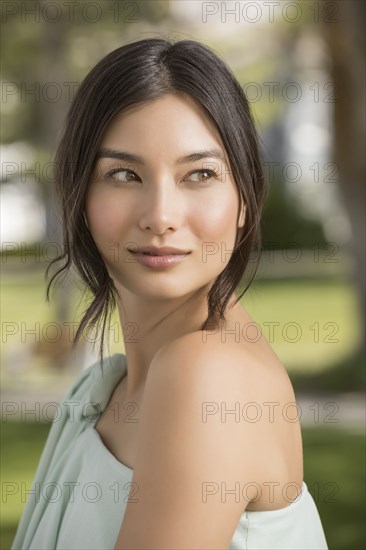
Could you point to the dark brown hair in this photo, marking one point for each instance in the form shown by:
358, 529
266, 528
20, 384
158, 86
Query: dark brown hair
136, 73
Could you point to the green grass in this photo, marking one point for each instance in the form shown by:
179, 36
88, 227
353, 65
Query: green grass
21, 447
335, 475
23, 443
333, 472
317, 320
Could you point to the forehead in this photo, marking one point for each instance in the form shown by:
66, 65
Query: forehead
176, 120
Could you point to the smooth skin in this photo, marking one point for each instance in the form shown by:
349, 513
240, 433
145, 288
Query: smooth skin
184, 381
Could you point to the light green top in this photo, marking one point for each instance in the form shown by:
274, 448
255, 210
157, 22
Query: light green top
80, 489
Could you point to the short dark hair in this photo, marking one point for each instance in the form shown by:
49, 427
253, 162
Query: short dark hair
136, 73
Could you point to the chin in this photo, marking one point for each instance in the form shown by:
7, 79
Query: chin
153, 290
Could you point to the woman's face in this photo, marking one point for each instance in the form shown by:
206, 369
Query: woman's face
161, 200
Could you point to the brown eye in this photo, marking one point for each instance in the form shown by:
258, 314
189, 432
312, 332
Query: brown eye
204, 175
120, 175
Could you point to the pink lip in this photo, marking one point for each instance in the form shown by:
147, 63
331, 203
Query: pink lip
159, 261
158, 251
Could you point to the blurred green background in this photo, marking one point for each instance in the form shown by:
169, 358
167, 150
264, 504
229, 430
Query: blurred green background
302, 67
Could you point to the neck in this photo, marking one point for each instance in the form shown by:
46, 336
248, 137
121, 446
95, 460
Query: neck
149, 324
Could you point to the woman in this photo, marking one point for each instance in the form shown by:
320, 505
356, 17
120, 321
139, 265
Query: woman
181, 442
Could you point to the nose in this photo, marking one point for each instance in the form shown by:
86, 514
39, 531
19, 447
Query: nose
161, 208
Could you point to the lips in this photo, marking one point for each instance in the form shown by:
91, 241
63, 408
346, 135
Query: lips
162, 251
159, 258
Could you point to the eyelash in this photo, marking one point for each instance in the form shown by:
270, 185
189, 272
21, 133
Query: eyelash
213, 174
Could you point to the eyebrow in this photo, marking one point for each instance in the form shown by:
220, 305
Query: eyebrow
192, 157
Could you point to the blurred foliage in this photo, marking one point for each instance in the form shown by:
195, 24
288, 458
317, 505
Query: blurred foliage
283, 225
39, 52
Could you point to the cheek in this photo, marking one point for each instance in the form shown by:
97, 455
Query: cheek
215, 221
107, 218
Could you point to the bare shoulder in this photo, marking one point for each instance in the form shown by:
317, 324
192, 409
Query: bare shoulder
245, 393
252, 369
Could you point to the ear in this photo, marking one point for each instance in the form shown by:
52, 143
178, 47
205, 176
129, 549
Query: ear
241, 221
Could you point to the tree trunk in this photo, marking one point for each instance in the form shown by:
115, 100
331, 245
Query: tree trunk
346, 42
